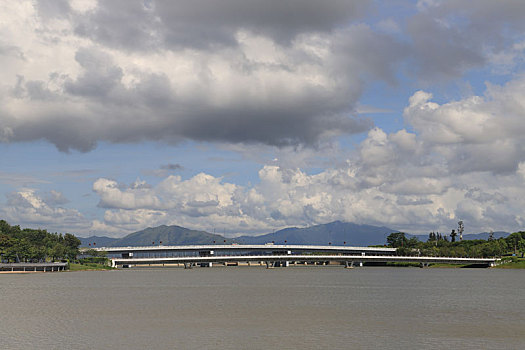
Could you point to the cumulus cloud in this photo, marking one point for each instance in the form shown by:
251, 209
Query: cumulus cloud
478, 133
276, 73
451, 36
462, 160
207, 24
290, 197
288, 75
27, 208
235, 72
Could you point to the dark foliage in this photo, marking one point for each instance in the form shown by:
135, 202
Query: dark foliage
30, 245
439, 245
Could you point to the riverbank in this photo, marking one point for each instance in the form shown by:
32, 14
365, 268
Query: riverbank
89, 267
514, 263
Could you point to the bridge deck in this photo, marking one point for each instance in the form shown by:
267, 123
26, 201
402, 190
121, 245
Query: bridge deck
247, 247
26, 267
302, 258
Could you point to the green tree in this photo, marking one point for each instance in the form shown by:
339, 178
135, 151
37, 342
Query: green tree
453, 235
396, 240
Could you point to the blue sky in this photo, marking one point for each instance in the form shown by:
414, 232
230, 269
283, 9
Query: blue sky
250, 116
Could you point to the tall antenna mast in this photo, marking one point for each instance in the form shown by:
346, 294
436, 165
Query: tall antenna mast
461, 228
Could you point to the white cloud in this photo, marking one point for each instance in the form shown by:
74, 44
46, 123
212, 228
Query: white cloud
462, 161
27, 208
80, 72
478, 133
72, 84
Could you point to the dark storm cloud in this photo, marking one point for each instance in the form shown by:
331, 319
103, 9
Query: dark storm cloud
450, 37
206, 24
294, 78
171, 166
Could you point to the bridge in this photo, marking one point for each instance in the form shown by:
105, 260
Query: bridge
33, 267
270, 255
239, 249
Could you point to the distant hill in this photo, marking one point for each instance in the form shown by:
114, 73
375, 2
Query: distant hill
336, 232
95, 241
168, 235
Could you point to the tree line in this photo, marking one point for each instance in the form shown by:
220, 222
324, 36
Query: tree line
35, 245
440, 245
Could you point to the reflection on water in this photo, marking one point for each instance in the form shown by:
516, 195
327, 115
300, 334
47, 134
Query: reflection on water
256, 308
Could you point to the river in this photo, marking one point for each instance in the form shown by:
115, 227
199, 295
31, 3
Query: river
255, 308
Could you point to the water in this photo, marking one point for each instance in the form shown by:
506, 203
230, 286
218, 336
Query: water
256, 308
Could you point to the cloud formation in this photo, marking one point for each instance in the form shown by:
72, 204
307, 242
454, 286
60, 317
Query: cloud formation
28, 207
158, 70
282, 75
453, 166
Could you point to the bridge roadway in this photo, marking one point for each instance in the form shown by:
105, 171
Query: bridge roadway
232, 249
284, 260
33, 267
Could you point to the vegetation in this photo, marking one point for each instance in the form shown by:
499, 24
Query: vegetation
439, 245
93, 258
88, 267
30, 245
513, 263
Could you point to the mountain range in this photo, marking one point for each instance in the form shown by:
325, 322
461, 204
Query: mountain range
336, 233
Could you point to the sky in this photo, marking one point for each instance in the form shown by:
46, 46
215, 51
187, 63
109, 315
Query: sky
248, 116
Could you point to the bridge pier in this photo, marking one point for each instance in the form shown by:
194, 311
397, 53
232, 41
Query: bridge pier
349, 264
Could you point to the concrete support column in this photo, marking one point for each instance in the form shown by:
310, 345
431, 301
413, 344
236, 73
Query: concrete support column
349, 264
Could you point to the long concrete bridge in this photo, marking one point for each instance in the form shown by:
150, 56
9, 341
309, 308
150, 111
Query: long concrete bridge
240, 249
285, 260
271, 255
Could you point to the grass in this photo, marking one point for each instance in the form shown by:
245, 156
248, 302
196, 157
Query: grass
438, 265
88, 267
513, 263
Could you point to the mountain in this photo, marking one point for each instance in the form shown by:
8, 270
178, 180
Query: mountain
95, 241
168, 235
336, 233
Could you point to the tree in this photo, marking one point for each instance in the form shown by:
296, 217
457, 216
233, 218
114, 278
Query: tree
453, 235
396, 240
71, 244
18, 244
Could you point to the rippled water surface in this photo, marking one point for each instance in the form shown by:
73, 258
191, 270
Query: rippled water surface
256, 308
